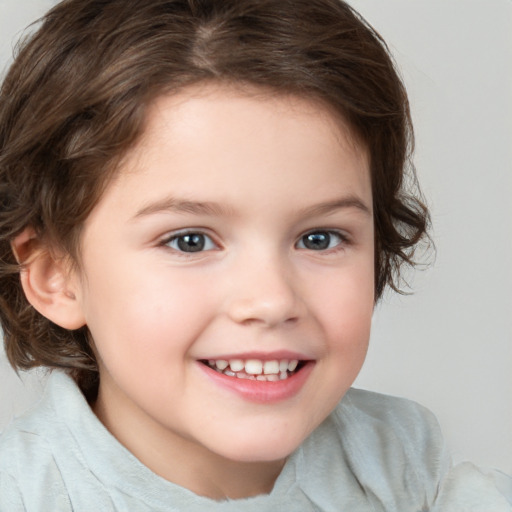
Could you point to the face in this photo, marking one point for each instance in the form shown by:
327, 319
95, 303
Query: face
227, 276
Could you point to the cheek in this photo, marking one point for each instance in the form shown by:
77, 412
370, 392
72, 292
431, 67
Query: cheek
345, 308
151, 315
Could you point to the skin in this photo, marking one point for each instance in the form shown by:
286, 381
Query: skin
271, 169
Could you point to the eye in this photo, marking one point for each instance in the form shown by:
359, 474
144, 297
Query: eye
320, 240
190, 242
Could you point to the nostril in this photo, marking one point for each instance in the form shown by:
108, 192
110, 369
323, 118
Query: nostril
269, 322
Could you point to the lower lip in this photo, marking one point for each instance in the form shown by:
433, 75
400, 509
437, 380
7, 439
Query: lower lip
261, 391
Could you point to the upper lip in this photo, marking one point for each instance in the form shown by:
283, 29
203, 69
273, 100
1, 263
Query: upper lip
261, 356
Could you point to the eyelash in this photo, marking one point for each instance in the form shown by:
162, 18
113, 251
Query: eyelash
206, 240
343, 240
176, 237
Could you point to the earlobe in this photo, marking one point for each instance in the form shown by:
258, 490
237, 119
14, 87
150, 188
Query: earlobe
49, 285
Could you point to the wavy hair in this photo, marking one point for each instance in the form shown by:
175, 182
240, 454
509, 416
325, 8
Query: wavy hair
74, 101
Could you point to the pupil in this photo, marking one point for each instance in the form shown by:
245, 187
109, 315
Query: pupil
317, 241
191, 243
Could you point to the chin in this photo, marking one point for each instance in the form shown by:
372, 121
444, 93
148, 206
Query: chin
262, 449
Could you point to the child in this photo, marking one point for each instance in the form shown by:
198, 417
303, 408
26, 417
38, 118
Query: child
202, 202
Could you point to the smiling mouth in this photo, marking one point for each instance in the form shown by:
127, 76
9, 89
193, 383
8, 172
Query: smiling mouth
256, 369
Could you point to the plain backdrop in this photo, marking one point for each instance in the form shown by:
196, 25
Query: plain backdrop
449, 345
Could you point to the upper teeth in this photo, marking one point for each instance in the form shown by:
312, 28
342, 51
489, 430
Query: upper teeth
255, 366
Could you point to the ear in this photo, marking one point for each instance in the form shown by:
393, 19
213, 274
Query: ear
49, 283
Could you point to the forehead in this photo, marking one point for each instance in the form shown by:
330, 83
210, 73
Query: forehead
219, 137
226, 98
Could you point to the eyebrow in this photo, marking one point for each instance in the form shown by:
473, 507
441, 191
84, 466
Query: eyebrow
172, 204
337, 204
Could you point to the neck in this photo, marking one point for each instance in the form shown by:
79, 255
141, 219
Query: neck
186, 463
221, 478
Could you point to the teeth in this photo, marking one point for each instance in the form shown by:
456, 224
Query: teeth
292, 365
242, 375
255, 369
221, 364
270, 367
236, 365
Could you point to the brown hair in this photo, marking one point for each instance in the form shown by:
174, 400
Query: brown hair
75, 98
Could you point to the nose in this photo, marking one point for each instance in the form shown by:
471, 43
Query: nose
265, 292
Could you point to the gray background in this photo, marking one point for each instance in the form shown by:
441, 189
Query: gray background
448, 346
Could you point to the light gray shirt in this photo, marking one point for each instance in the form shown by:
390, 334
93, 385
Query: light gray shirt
373, 453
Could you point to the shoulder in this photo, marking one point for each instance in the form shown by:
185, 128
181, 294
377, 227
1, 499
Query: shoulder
385, 413
29, 475
10, 495
399, 430
467, 487
26, 438
384, 450
23, 441
59, 457
29, 472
